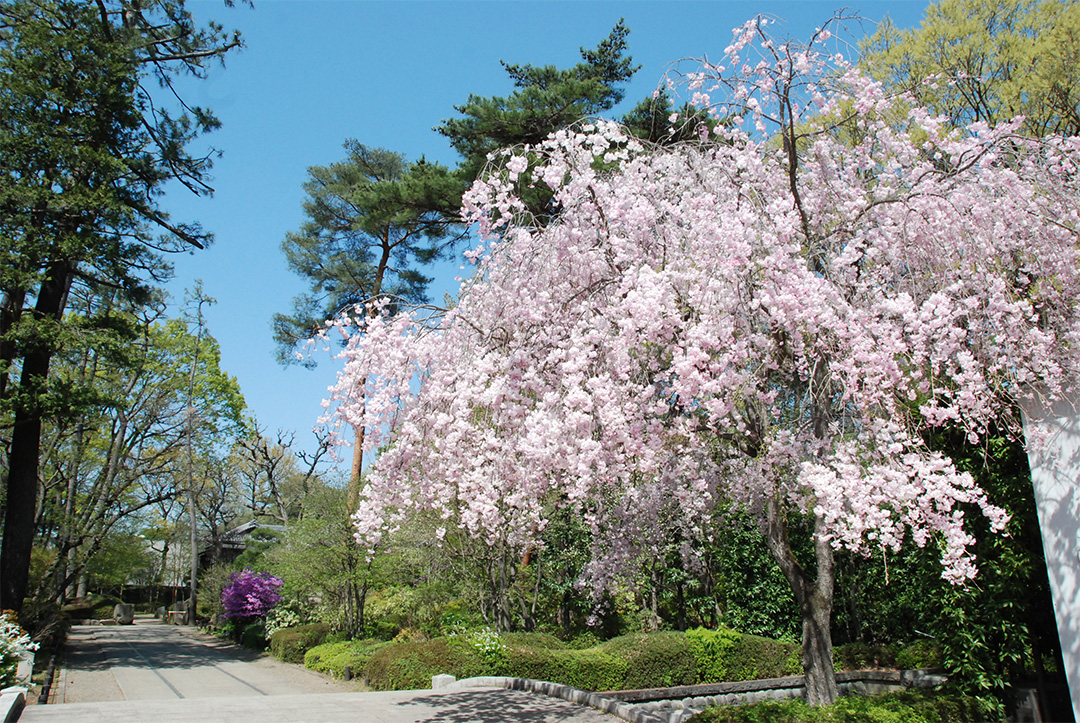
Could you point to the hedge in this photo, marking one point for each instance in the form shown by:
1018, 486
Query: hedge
654, 660
333, 658
588, 669
290, 644
410, 666
724, 655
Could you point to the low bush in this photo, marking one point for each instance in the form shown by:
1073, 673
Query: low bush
332, 658
920, 654
907, 706
537, 641
92, 607
863, 656
654, 660
410, 666
724, 655
253, 635
588, 669
290, 644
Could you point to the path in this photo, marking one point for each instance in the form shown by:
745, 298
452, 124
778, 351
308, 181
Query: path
163, 673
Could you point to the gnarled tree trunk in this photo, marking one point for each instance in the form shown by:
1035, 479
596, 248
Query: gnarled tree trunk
815, 599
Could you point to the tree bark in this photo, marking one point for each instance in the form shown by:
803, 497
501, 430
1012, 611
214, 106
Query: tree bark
814, 597
22, 487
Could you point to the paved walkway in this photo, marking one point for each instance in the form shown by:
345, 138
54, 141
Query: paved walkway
163, 673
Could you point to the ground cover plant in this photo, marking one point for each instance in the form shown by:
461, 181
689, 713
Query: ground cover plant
909, 706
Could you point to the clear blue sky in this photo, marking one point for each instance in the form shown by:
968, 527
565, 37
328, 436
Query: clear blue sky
316, 72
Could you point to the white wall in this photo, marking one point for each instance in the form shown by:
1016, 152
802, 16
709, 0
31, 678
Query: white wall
1054, 454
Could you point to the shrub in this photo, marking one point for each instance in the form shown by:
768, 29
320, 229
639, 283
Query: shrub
409, 666
588, 669
725, 655
13, 640
907, 706
537, 641
485, 642
253, 635
862, 656
283, 616
333, 658
920, 654
250, 594
654, 660
290, 644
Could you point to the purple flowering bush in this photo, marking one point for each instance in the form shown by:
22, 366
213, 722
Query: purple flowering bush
250, 594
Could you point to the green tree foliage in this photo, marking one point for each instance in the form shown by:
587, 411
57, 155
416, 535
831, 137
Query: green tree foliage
547, 99
370, 217
113, 459
85, 155
321, 564
988, 61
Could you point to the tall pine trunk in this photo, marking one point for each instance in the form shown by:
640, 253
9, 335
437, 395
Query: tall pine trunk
22, 484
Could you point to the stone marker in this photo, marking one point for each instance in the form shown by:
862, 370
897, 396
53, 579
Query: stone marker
124, 613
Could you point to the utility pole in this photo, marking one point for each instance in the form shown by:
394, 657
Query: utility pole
199, 298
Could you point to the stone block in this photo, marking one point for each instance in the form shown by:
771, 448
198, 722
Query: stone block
124, 613
442, 681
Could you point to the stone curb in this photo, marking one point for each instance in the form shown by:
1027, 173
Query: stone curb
12, 701
617, 708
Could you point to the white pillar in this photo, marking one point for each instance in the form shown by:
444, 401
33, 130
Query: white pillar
1054, 455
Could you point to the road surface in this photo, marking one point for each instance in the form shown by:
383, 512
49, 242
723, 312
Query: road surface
163, 673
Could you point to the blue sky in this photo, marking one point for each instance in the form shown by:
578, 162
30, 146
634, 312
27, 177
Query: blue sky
316, 72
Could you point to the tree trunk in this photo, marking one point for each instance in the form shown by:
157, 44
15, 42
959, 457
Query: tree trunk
22, 485
814, 598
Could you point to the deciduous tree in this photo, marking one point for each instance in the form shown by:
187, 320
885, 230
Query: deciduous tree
988, 61
772, 319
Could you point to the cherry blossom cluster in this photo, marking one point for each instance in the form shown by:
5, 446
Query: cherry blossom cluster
779, 312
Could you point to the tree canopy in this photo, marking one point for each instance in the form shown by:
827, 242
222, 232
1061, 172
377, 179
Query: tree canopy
86, 150
370, 218
774, 322
988, 61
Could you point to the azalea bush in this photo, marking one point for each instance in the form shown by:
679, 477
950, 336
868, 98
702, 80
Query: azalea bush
250, 594
13, 642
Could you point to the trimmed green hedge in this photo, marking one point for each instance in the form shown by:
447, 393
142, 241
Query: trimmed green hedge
410, 666
290, 644
654, 660
724, 655
588, 669
908, 706
920, 654
333, 658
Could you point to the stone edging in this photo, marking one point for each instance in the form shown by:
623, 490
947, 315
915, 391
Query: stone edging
617, 708
12, 701
673, 705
